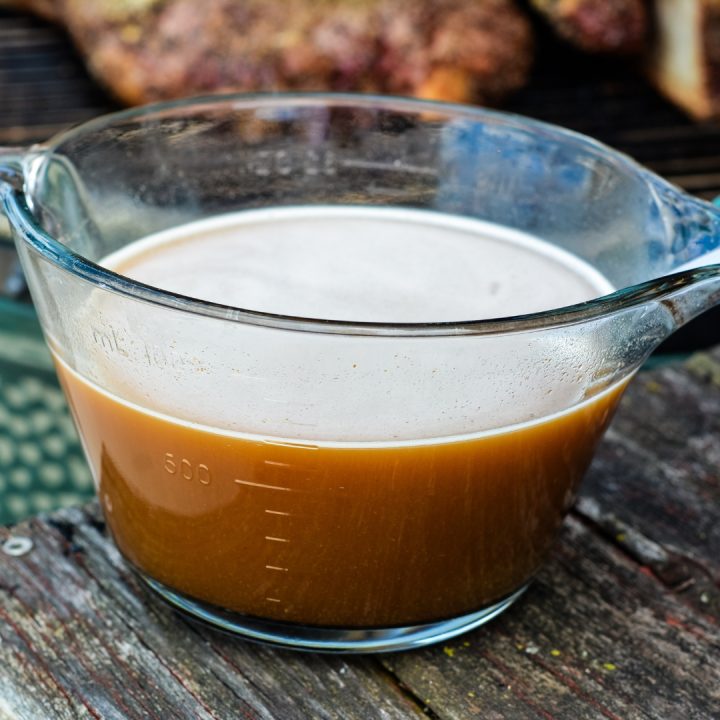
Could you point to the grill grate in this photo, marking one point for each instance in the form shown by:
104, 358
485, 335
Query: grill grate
44, 88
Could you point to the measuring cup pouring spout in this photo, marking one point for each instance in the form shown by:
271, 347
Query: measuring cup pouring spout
693, 226
690, 283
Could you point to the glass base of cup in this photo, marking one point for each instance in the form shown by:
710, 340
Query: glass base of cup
331, 639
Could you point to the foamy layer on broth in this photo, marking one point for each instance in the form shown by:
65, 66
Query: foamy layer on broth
362, 264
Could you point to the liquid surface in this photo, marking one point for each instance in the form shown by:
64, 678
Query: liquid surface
338, 480
362, 264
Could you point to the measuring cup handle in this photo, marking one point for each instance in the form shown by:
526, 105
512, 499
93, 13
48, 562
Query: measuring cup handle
12, 282
11, 166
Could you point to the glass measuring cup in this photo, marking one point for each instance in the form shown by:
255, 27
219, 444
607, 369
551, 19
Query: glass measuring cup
351, 532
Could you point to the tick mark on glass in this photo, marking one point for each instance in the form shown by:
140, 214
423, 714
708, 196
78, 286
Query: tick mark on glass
276, 539
263, 485
275, 567
276, 463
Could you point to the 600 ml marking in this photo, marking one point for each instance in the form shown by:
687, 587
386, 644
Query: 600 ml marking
183, 467
176, 465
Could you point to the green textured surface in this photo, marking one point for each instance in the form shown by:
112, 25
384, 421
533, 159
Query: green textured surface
41, 462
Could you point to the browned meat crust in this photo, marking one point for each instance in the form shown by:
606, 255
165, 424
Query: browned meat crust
604, 26
146, 50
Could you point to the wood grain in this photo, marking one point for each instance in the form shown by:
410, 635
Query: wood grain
79, 630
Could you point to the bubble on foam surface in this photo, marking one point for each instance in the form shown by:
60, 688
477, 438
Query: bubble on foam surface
335, 388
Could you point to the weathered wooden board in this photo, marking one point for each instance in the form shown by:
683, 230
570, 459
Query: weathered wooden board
82, 635
621, 623
593, 638
654, 487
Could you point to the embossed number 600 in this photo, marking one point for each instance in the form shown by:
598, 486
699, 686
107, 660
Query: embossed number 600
189, 471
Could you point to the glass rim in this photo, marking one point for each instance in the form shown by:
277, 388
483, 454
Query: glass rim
24, 222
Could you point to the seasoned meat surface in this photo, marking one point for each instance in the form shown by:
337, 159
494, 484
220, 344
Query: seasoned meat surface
147, 50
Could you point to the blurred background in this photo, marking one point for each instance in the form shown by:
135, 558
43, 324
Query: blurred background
641, 76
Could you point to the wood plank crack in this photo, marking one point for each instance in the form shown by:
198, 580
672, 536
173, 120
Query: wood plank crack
384, 670
685, 576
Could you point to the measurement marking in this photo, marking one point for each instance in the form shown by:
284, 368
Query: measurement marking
374, 165
273, 599
275, 462
275, 567
263, 485
276, 539
278, 512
